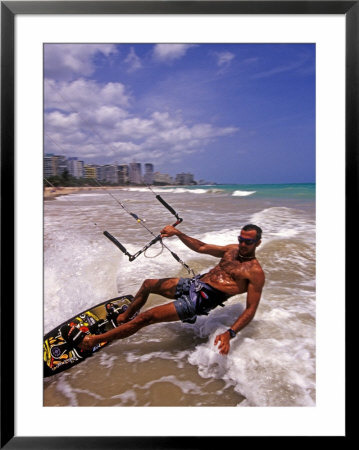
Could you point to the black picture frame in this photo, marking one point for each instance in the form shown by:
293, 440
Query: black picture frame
9, 9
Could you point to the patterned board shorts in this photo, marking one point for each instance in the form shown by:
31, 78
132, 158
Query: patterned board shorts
184, 304
191, 303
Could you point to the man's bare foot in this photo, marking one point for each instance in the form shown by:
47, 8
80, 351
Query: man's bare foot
88, 343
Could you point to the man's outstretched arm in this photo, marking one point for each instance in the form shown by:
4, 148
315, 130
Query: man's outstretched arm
195, 244
253, 297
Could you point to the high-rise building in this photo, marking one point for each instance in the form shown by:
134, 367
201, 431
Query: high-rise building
115, 173
61, 164
162, 179
123, 174
185, 179
101, 173
89, 171
111, 173
49, 165
54, 165
148, 176
135, 173
75, 167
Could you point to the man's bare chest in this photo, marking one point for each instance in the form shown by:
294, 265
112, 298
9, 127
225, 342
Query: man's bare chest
234, 269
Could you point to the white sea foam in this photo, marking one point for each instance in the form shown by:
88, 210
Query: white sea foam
267, 372
78, 273
184, 191
185, 386
71, 393
107, 360
128, 397
132, 357
242, 193
177, 190
135, 189
284, 222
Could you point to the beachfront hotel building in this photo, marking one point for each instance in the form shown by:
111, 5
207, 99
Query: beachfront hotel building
185, 179
111, 173
117, 174
75, 167
90, 172
162, 179
123, 174
54, 164
148, 176
135, 173
49, 168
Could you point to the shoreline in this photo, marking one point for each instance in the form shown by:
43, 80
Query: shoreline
51, 192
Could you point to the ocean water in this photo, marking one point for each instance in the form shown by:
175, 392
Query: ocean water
272, 361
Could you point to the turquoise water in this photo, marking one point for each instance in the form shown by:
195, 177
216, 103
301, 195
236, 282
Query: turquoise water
303, 191
295, 191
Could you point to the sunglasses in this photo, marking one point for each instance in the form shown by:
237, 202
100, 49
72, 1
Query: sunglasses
247, 241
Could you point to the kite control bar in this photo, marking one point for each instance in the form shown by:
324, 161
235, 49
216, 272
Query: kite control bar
123, 249
170, 209
118, 244
156, 238
166, 205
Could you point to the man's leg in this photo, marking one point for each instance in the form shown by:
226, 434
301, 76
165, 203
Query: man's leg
163, 313
165, 287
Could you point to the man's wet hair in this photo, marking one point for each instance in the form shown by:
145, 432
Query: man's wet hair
250, 227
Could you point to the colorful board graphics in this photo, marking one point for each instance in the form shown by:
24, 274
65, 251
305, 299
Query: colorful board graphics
60, 355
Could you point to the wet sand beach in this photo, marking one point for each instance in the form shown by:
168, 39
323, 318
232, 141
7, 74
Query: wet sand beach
52, 192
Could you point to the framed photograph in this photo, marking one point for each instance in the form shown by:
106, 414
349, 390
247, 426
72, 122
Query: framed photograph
238, 111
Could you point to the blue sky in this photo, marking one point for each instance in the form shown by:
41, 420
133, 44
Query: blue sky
229, 113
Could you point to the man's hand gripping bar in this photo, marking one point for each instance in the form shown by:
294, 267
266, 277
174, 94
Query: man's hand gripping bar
124, 250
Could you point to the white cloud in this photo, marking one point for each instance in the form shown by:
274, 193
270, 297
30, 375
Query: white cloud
60, 121
135, 128
82, 95
133, 61
64, 61
186, 138
88, 119
170, 52
224, 58
300, 65
109, 116
207, 131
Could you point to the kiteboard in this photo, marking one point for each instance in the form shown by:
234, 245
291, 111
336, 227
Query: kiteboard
61, 354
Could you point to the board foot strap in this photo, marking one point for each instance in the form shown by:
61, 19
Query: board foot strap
73, 335
113, 311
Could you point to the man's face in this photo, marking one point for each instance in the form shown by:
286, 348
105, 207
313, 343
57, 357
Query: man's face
247, 242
